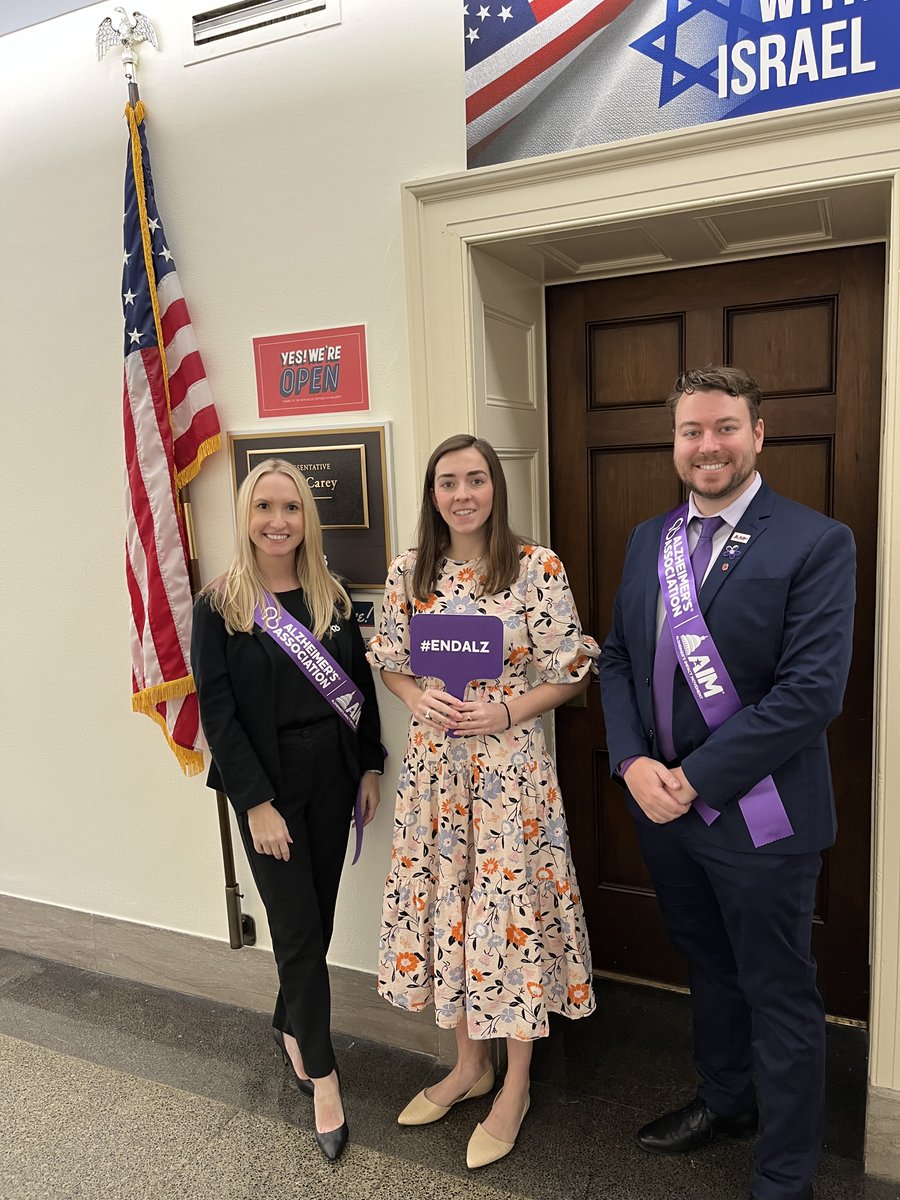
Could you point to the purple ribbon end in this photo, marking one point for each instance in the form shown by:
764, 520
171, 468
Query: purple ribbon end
358, 824
763, 814
708, 814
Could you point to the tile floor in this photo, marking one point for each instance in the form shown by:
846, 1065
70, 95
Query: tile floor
113, 1090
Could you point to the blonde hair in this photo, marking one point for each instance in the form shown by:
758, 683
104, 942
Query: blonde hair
236, 594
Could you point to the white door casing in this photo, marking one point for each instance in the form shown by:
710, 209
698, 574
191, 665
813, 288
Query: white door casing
475, 337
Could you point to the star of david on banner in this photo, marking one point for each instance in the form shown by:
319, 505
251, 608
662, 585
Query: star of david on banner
704, 24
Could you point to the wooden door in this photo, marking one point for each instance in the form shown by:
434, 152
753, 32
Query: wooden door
809, 327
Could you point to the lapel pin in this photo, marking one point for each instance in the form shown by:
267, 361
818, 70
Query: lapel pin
740, 537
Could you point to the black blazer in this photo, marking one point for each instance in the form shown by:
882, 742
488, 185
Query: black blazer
236, 690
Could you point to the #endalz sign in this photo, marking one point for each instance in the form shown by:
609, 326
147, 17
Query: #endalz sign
456, 649
543, 76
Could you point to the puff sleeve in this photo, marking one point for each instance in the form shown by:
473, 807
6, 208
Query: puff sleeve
562, 652
389, 648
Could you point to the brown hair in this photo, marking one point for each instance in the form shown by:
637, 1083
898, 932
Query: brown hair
731, 380
433, 534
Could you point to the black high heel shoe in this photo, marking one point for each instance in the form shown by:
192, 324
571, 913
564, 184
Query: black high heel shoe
305, 1086
334, 1142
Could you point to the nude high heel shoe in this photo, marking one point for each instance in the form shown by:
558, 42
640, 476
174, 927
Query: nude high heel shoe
484, 1148
422, 1111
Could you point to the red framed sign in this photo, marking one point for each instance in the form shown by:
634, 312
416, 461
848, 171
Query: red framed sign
320, 371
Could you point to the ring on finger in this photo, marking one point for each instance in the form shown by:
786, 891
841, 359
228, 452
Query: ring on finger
427, 714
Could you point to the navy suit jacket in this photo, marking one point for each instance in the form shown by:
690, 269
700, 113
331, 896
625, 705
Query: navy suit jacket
782, 619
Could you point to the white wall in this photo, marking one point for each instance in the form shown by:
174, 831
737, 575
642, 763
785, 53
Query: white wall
278, 175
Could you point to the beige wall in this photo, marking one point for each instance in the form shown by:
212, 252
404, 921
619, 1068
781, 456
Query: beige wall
278, 173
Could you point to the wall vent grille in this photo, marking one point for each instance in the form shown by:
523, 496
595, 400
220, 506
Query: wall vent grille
246, 23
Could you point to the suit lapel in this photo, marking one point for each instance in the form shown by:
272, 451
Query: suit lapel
736, 550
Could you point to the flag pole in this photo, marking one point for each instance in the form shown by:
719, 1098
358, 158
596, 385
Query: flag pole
241, 926
128, 32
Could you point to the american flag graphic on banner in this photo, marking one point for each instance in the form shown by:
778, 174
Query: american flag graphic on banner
514, 50
655, 65
171, 426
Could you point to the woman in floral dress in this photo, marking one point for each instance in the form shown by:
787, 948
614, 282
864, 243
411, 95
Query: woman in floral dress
482, 915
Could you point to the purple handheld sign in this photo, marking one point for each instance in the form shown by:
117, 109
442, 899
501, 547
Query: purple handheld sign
456, 649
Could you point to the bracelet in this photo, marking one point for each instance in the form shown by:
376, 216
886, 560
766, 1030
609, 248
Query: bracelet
508, 715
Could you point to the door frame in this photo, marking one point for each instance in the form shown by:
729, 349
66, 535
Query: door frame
777, 157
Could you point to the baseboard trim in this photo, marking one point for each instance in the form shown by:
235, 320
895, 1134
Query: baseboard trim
202, 966
883, 1134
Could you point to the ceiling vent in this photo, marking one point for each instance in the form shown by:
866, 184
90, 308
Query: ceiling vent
247, 23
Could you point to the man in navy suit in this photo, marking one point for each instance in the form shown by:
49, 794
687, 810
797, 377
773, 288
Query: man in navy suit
720, 742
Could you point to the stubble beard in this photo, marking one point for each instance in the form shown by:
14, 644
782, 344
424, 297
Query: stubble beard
742, 471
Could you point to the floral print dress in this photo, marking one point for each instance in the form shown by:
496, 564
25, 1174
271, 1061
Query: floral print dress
481, 913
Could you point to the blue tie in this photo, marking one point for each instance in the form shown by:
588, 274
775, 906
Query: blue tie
665, 663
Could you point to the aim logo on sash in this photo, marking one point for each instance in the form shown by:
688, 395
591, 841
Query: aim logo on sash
692, 641
351, 706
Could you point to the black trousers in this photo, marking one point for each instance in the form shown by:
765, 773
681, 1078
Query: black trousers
316, 800
744, 923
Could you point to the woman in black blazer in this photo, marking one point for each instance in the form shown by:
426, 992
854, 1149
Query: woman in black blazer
290, 766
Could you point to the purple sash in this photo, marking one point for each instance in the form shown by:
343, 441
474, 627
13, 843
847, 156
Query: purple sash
305, 651
703, 668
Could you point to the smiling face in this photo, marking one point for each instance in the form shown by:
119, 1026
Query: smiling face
276, 525
463, 494
715, 447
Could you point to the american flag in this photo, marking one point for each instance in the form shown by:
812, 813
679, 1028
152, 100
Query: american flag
171, 426
515, 49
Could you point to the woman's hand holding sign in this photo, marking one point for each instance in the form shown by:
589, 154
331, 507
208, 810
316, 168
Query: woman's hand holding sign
481, 717
438, 709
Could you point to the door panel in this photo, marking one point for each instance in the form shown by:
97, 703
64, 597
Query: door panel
631, 361
809, 328
792, 345
508, 374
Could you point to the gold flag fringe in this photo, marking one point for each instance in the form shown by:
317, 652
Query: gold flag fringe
146, 700
190, 761
204, 450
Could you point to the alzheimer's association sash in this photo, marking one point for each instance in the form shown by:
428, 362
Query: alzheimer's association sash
329, 678
700, 661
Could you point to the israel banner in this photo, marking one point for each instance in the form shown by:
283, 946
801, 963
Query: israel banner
543, 76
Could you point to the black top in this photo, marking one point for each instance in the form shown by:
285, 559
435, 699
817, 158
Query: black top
298, 701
